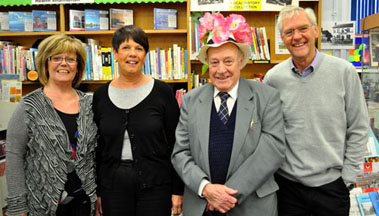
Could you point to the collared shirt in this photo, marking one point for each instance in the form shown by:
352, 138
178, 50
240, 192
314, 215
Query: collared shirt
308, 70
233, 93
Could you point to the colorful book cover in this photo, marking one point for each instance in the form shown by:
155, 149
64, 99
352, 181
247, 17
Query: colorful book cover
165, 18
20, 21
96, 20
356, 54
4, 22
374, 196
77, 20
365, 205
44, 20
120, 17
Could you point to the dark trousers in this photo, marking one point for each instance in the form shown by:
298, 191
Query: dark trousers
295, 199
79, 206
127, 198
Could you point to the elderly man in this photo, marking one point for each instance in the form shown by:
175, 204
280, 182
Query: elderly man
230, 137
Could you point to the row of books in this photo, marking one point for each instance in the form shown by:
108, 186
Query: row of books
28, 21
94, 19
260, 49
17, 60
167, 64
160, 64
81, 20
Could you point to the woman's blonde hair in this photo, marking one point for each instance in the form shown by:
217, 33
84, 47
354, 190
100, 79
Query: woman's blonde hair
57, 44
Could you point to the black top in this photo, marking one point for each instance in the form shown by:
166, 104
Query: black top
151, 127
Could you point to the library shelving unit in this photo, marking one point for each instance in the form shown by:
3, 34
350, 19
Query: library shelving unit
263, 19
143, 16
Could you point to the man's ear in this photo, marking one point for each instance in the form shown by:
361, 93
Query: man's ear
242, 57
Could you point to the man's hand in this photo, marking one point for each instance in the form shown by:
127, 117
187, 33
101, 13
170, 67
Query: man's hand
177, 202
219, 197
99, 209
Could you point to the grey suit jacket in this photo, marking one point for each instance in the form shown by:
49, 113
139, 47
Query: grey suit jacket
258, 148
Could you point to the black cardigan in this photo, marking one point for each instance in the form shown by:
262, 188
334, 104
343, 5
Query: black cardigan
151, 126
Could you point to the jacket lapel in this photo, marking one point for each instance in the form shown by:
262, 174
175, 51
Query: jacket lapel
245, 109
203, 116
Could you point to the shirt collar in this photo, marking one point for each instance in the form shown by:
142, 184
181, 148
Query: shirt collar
308, 69
233, 93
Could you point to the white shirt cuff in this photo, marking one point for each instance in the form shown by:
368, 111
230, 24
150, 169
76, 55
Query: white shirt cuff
202, 186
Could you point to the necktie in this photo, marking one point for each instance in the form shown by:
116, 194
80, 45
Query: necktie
223, 111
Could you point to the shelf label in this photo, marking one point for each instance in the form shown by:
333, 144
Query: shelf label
37, 2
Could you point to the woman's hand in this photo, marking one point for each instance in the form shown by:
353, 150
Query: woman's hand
177, 201
99, 209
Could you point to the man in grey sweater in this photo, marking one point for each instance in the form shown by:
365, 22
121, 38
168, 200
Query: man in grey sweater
326, 121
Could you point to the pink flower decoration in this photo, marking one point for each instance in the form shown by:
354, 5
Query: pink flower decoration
222, 27
234, 21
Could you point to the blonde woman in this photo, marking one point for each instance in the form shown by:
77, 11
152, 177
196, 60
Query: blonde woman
51, 138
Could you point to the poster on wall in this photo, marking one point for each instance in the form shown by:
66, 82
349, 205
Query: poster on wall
338, 35
279, 45
241, 5
374, 48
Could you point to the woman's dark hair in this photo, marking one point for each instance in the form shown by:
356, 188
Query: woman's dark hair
130, 31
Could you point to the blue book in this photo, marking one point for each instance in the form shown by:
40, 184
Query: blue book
165, 18
365, 205
20, 21
147, 64
374, 196
96, 20
185, 64
44, 20
159, 63
88, 62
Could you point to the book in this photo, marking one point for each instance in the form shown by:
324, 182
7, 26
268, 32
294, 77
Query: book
365, 205
120, 17
11, 90
4, 22
374, 48
165, 18
374, 196
20, 21
44, 20
77, 20
96, 20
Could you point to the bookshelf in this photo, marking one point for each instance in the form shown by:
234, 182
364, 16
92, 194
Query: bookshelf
263, 19
143, 16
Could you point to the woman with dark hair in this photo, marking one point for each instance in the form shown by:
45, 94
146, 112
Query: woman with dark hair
137, 117
51, 138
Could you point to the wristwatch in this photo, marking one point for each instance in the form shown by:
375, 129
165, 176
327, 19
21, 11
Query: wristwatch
350, 186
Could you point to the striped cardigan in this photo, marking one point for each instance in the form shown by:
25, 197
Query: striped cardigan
49, 155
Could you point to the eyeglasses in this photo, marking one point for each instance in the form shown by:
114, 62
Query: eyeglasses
58, 59
291, 32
